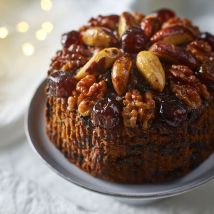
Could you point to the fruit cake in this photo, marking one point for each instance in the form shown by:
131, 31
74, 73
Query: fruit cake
130, 97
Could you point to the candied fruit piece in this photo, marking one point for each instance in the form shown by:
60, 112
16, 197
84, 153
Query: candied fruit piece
61, 84
173, 112
107, 113
70, 38
133, 40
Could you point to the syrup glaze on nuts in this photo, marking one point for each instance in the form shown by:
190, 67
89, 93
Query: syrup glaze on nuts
135, 70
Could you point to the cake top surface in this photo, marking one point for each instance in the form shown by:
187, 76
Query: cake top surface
135, 69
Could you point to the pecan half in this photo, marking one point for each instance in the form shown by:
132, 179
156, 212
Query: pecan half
150, 25
176, 21
201, 50
188, 94
187, 87
89, 92
69, 59
173, 54
176, 35
138, 109
110, 21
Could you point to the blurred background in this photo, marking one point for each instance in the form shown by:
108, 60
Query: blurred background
30, 32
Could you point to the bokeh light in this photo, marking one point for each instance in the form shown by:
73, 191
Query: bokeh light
22, 27
41, 34
47, 26
27, 49
3, 32
46, 5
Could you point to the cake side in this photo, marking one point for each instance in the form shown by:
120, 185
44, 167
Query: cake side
156, 156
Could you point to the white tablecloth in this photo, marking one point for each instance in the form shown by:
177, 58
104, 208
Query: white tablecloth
28, 186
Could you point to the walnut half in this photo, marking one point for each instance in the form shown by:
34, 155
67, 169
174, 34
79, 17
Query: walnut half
138, 109
89, 92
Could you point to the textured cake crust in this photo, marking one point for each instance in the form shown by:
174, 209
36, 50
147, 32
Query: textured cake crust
161, 154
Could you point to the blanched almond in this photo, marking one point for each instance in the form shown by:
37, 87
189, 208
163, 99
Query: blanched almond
151, 69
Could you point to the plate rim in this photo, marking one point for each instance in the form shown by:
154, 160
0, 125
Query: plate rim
158, 195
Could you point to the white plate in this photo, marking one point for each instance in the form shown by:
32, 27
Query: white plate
35, 131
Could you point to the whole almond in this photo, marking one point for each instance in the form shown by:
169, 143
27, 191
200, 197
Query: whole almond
120, 74
101, 61
99, 37
151, 69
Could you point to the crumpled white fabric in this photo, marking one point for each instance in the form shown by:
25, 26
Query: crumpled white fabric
20, 196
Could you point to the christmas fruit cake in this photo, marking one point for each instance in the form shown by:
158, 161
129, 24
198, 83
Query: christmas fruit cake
130, 97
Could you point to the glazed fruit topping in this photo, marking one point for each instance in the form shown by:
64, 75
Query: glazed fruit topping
70, 38
61, 84
107, 113
173, 112
133, 40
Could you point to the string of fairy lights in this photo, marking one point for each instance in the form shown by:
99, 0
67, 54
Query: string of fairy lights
23, 27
